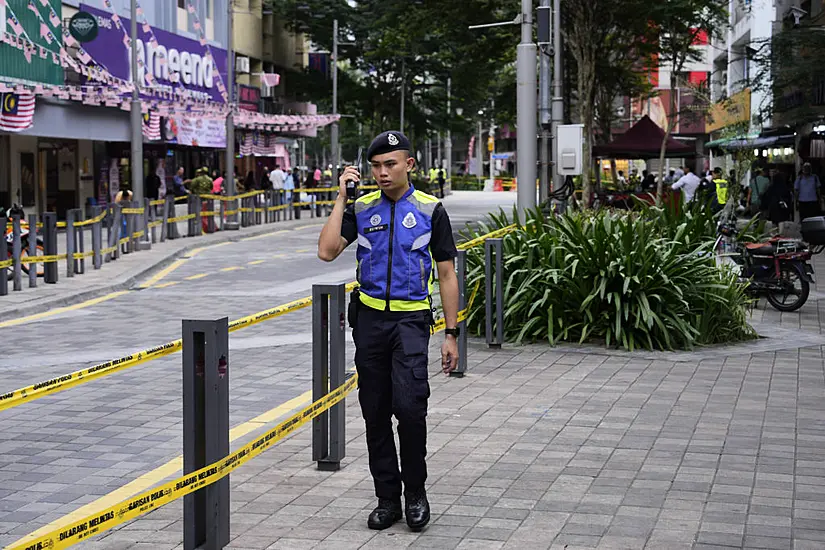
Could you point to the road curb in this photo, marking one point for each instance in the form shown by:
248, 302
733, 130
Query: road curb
128, 282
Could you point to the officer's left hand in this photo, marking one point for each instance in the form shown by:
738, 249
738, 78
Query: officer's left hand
449, 355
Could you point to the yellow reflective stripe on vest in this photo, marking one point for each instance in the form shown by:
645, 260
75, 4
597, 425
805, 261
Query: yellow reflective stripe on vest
395, 305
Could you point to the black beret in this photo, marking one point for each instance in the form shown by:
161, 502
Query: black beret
387, 143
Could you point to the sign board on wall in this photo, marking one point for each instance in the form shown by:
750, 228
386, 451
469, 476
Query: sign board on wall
195, 131
180, 55
736, 109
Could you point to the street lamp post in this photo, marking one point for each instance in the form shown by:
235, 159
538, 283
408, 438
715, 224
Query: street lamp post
136, 116
232, 220
449, 145
526, 112
334, 128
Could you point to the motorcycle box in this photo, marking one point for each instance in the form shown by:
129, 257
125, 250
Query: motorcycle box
813, 230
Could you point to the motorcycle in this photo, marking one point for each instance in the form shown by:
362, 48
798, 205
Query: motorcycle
24, 242
778, 269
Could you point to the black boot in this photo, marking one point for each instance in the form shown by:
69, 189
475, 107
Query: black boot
385, 514
417, 509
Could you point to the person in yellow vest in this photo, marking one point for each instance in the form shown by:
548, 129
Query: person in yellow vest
433, 175
721, 185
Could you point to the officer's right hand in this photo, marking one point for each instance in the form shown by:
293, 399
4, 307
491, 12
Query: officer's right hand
350, 173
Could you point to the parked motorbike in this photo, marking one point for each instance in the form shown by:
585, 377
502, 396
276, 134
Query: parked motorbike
778, 269
24, 242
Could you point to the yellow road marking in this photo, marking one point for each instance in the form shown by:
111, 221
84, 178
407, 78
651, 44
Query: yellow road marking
194, 252
256, 262
164, 285
302, 250
170, 468
162, 273
232, 268
58, 311
278, 256
195, 277
265, 235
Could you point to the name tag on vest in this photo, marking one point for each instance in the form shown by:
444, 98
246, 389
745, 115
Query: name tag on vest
382, 227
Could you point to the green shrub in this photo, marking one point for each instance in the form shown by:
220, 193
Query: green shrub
643, 279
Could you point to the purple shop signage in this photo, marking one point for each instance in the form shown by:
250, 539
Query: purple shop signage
183, 56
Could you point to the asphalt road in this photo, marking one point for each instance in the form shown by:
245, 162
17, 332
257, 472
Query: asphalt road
66, 450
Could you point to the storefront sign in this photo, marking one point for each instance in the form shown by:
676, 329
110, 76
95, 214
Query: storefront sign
736, 109
172, 55
83, 26
195, 131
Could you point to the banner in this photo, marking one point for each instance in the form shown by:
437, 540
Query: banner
195, 131
168, 63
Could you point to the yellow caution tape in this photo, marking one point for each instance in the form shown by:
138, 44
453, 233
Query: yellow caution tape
66, 381
155, 224
209, 213
279, 207
317, 190
158, 202
230, 212
6, 263
137, 234
245, 209
184, 198
124, 240
441, 324
259, 210
109, 250
81, 255
231, 197
181, 218
132, 210
91, 221
493, 235
43, 259
138, 505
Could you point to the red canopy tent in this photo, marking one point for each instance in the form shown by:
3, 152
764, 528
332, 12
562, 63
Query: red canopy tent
643, 141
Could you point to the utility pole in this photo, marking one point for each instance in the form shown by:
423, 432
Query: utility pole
526, 113
334, 129
137, 117
439, 159
545, 120
403, 90
491, 139
558, 97
449, 144
479, 152
232, 220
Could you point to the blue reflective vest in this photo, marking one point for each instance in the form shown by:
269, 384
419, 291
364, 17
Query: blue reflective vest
395, 266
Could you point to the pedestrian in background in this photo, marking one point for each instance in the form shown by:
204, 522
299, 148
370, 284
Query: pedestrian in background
689, 183
807, 193
757, 188
441, 182
290, 184
391, 317
263, 183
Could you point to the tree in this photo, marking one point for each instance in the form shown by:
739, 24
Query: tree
604, 37
680, 24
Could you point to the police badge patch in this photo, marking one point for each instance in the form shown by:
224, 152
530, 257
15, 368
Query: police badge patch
375, 220
392, 139
409, 221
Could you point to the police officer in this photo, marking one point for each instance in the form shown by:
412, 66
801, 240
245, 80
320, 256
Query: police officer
403, 236
721, 187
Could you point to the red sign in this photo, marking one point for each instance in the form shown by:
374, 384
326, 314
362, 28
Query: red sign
249, 98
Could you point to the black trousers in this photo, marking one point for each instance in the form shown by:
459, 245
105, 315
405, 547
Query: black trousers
808, 209
391, 359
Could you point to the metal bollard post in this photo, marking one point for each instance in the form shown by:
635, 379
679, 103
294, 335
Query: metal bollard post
17, 252
206, 429
166, 228
50, 246
312, 206
149, 216
296, 200
497, 340
131, 228
97, 238
461, 269
198, 216
70, 248
4, 256
32, 252
279, 200
210, 224
191, 203
222, 218
114, 232
329, 304
80, 238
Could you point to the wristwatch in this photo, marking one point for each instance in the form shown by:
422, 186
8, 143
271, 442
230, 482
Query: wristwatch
452, 331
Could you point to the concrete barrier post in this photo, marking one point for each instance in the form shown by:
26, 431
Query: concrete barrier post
493, 274
328, 373
206, 430
461, 269
50, 246
70, 244
4, 256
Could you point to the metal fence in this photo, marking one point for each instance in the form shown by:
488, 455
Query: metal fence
29, 251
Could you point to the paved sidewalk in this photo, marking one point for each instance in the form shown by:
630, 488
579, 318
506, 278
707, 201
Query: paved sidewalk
565, 448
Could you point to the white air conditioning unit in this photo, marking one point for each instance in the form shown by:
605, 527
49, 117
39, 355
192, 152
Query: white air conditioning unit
242, 65
267, 91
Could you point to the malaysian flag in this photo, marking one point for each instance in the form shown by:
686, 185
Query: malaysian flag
151, 126
15, 25
16, 111
271, 79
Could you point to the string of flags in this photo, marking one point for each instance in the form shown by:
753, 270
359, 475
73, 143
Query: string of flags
190, 7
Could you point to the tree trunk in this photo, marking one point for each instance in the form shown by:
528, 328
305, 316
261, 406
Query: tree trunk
670, 123
585, 83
